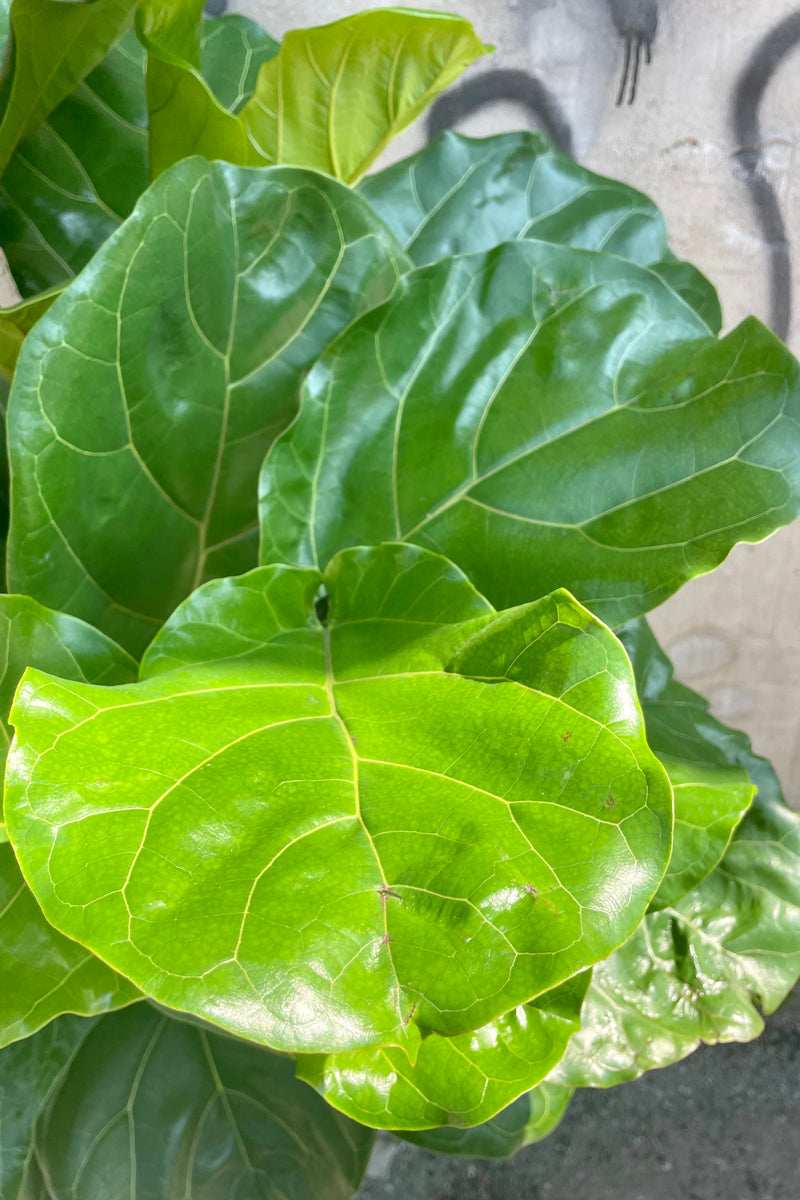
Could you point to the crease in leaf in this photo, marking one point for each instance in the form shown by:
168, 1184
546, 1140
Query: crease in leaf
589, 432
421, 812
331, 98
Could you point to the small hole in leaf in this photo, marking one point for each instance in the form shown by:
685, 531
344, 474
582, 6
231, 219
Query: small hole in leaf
321, 605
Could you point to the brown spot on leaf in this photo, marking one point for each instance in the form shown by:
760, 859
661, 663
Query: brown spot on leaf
610, 802
566, 736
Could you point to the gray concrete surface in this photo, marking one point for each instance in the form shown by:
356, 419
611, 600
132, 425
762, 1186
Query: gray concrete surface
722, 1125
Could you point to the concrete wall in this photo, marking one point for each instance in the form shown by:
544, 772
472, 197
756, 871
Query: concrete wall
712, 132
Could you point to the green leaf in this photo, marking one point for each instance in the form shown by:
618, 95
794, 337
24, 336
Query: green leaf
460, 195
526, 1121
457, 1082
70, 183
588, 432
331, 99
186, 338
399, 820
701, 969
142, 1105
30, 1074
709, 804
51, 974
53, 46
16, 323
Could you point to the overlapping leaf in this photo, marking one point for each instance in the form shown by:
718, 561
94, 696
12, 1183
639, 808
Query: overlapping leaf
139, 1104
186, 338
545, 417
707, 967
458, 1082
45, 973
460, 195
528, 1120
52, 47
332, 98
414, 817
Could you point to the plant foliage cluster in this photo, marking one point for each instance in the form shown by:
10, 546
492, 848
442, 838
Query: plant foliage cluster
349, 788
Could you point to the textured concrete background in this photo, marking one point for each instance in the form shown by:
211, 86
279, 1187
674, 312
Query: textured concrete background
712, 135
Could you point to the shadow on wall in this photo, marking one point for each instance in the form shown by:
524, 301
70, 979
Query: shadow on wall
636, 23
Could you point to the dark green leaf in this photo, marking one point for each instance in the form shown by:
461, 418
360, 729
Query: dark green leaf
702, 969
331, 99
404, 812
528, 1120
141, 1105
457, 1082
546, 417
16, 323
52, 47
232, 51
30, 1074
460, 195
71, 183
186, 338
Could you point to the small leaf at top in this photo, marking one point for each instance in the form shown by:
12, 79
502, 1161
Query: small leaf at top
394, 821
461, 194
332, 98
545, 417
186, 338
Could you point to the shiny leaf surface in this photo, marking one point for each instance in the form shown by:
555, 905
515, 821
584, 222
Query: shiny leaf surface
707, 967
588, 432
142, 1105
331, 99
458, 1082
232, 51
51, 974
70, 183
460, 195
186, 337
416, 816
53, 46
528, 1120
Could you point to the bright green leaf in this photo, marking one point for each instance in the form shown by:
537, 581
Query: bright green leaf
545, 417
420, 809
137, 1104
460, 195
331, 99
186, 339
53, 46
457, 1082
709, 804
528, 1120
51, 974
702, 969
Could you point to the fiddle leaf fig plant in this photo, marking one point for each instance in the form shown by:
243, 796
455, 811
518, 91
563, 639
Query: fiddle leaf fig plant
349, 788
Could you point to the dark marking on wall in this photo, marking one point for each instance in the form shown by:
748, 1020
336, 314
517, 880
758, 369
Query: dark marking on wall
489, 87
636, 21
748, 94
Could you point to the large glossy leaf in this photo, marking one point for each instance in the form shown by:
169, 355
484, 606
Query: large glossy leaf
30, 1074
707, 967
460, 195
458, 1082
142, 1105
51, 974
52, 46
414, 817
545, 417
528, 1120
186, 338
332, 98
